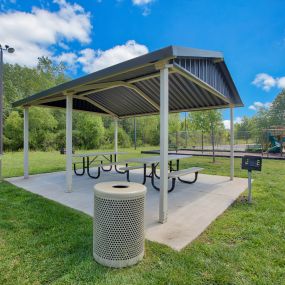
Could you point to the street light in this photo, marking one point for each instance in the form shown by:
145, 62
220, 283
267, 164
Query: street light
9, 50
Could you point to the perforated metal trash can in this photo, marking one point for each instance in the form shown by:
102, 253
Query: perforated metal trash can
118, 228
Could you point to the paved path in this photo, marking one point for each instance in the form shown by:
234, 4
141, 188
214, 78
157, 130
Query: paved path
192, 208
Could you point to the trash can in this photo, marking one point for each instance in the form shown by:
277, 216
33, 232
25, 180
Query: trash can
118, 228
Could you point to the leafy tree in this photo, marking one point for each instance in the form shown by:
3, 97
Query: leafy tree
203, 120
245, 128
13, 138
42, 126
90, 130
277, 110
123, 137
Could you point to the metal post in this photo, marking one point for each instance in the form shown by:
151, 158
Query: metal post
9, 50
26, 142
116, 135
69, 104
164, 109
213, 142
135, 132
1, 111
232, 161
249, 187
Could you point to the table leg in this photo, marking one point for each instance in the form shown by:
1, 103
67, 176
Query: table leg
116, 168
88, 170
173, 180
83, 168
155, 174
109, 169
144, 174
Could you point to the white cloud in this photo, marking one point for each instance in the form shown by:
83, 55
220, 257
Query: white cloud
227, 123
266, 81
259, 105
33, 34
93, 60
144, 4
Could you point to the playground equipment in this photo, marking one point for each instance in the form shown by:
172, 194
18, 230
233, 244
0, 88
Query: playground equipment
274, 140
275, 145
251, 163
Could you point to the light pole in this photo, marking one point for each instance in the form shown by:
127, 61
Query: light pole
9, 50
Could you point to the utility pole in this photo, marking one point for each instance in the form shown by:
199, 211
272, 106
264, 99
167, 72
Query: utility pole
9, 50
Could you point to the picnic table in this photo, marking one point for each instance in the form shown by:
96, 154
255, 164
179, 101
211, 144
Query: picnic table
89, 160
154, 161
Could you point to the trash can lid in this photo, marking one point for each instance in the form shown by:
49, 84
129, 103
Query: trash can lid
119, 189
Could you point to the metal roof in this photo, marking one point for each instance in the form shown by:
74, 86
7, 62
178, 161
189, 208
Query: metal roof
198, 79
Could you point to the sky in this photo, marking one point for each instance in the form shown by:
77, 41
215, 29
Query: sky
88, 35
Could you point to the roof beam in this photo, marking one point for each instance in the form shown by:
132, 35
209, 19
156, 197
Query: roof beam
185, 73
178, 111
94, 103
38, 103
146, 77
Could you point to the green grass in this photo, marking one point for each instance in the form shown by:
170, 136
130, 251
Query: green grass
42, 242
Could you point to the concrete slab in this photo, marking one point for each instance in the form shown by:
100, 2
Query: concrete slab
192, 208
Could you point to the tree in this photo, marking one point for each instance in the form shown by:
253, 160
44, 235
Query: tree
277, 110
90, 130
207, 122
245, 128
13, 138
202, 120
42, 128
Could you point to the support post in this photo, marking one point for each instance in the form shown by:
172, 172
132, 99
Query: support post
135, 132
26, 142
68, 148
232, 161
164, 109
116, 135
249, 187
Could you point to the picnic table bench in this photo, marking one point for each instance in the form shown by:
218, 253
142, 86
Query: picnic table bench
153, 161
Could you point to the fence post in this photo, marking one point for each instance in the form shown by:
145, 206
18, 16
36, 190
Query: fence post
202, 142
135, 132
213, 142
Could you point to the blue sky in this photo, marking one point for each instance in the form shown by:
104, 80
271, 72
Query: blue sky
89, 35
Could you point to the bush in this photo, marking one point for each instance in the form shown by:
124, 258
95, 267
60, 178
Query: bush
13, 131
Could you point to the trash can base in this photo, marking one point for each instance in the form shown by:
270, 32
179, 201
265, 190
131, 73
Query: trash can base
118, 263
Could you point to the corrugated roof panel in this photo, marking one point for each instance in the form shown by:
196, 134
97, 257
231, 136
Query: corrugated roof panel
122, 101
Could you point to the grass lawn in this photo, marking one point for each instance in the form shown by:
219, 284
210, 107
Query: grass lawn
42, 242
